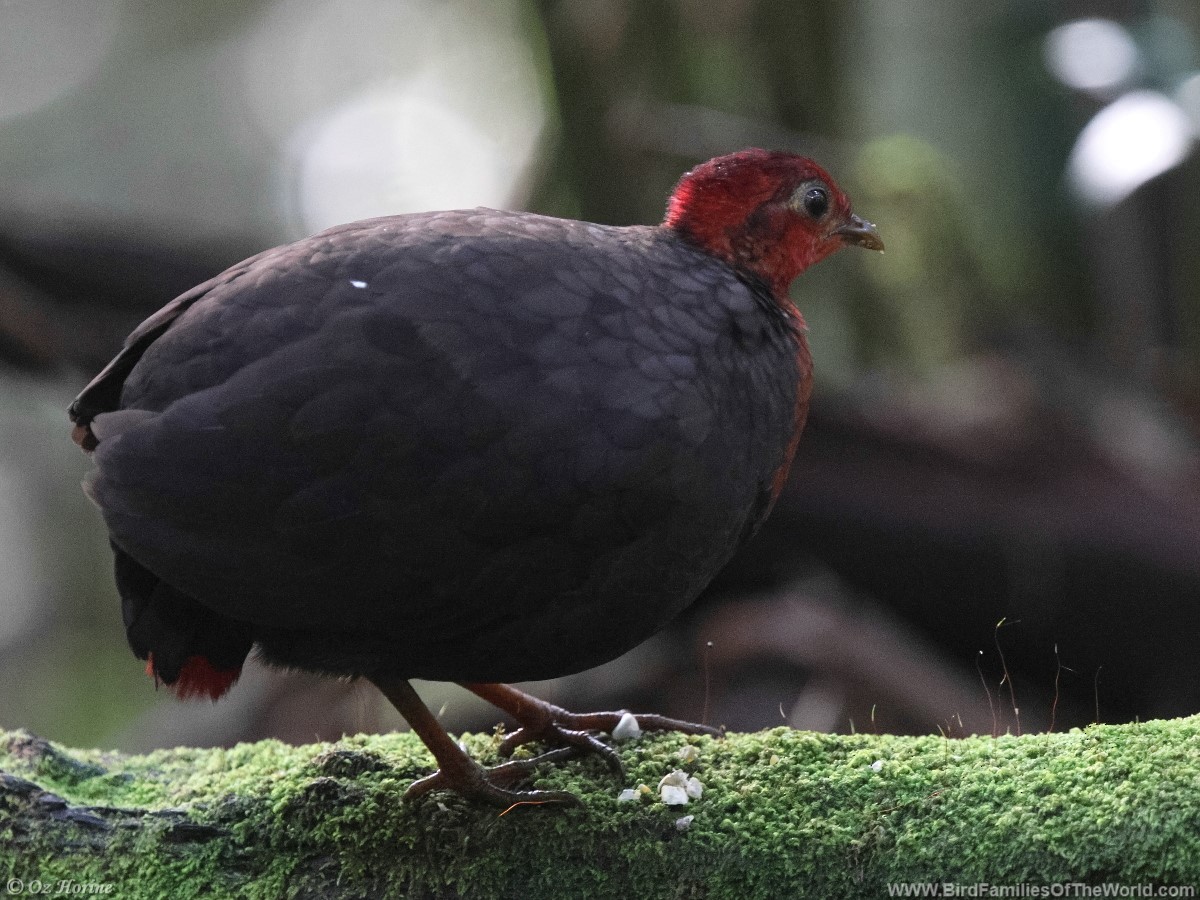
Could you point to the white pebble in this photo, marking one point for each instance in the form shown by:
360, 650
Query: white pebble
675, 788
688, 753
673, 795
627, 728
678, 778
628, 794
683, 823
877, 765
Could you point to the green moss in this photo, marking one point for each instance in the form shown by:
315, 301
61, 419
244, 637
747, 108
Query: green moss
782, 811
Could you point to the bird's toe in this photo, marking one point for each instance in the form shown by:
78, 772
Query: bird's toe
491, 785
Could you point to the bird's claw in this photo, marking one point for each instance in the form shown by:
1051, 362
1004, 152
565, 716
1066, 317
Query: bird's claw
553, 733
554, 725
544, 723
488, 785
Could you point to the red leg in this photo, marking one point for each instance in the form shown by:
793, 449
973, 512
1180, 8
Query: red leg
457, 771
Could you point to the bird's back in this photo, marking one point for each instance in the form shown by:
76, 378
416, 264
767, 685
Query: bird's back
470, 445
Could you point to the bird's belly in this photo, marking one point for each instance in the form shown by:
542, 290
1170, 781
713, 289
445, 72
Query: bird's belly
516, 625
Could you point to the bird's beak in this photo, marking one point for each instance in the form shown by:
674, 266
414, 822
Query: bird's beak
861, 232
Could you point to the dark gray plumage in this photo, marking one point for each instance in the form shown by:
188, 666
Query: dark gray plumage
471, 446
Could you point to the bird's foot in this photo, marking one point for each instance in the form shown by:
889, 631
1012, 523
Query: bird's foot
553, 725
456, 770
475, 782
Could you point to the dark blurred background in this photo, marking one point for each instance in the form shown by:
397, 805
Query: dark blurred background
993, 523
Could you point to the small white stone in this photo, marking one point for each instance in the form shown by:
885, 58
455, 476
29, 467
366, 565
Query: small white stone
877, 765
678, 778
673, 795
358, 284
628, 794
694, 788
673, 788
683, 823
627, 728
688, 753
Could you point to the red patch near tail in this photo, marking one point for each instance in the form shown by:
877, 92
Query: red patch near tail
198, 678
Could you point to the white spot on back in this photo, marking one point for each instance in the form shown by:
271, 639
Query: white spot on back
358, 284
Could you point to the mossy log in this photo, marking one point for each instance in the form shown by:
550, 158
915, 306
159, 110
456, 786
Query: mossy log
782, 814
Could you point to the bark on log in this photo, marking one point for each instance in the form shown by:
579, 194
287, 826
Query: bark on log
783, 813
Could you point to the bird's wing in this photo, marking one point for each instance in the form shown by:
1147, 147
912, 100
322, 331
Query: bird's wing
473, 409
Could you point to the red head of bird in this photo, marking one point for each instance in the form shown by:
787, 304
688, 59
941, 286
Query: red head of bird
769, 213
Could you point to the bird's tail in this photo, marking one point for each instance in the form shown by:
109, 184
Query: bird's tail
188, 647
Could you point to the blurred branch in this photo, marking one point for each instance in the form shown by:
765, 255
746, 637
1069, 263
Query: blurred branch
862, 649
70, 292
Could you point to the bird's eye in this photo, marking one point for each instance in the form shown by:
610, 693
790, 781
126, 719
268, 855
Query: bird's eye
816, 202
